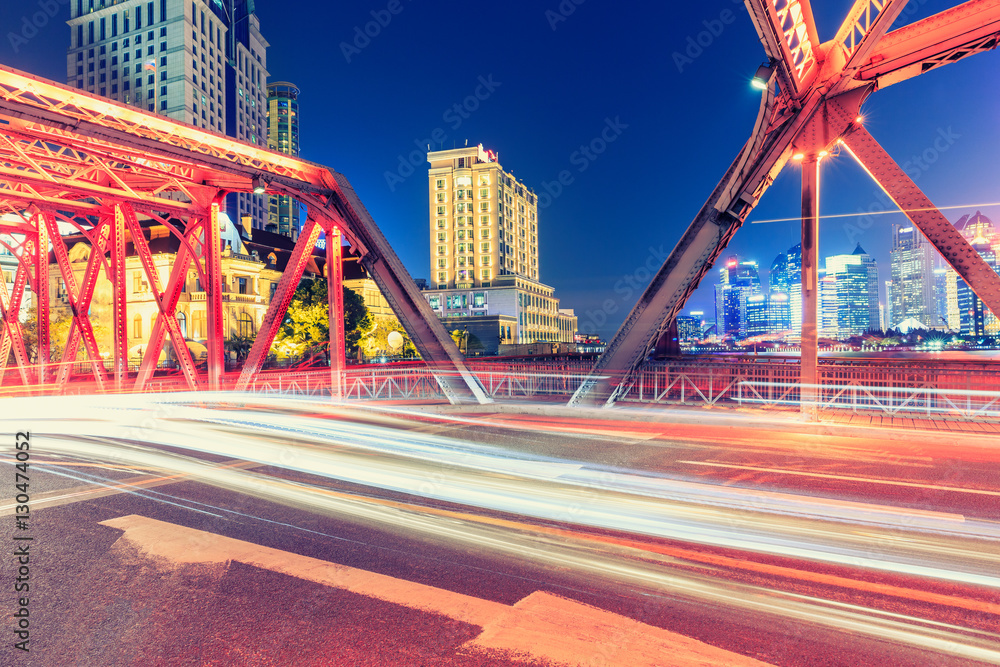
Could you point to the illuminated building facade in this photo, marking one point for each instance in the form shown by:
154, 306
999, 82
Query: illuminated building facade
912, 291
853, 280
284, 213
786, 278
483, 221
181, 59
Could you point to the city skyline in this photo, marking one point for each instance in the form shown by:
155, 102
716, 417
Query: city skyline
518, 110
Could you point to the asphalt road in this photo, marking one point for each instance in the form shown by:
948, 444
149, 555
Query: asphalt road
767, 539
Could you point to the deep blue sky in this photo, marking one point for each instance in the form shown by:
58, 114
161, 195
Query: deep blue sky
557, 88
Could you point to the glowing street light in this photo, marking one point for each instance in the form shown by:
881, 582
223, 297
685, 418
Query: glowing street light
763, 77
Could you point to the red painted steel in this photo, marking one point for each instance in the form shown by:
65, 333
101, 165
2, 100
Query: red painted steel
805, 108
212, 243
275, 315
119, 297
809, 345
81, 317
99, 245
41, 295
335, 293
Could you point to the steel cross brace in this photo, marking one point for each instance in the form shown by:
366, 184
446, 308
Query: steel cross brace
81, 317
99, 246
275, 315
166, 312
11, 334
925, 216
41, 293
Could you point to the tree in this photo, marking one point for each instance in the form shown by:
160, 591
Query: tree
239, 345
307, 326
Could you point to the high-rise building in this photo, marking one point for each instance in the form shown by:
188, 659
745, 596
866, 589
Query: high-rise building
779, 312
975, 318
966, 313
912, 292
757, 322
737, 282
484, 222
854, 279
946, 297
827, 319
484, 252
283, 216
786, 278
197, 61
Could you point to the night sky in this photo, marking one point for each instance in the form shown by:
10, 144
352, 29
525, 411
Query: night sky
556, 82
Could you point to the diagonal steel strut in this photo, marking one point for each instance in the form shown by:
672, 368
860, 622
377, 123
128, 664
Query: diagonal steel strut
954, 247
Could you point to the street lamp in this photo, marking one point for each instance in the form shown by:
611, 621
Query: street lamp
762, 79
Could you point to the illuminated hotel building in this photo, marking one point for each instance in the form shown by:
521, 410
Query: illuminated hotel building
484, 222
484, 251
283, 136
178, 58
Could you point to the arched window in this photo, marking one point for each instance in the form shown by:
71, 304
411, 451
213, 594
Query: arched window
137, 327
182, 320
245, 325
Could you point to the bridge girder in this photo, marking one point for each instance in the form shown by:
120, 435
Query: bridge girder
810, 104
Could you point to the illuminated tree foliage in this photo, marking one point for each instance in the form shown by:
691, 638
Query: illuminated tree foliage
306, 327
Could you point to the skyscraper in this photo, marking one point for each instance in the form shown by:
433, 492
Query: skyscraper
484, 222
187, 60
283, 136
976, 319
737, 282
854, 281
786, 278
966, 312
912, 291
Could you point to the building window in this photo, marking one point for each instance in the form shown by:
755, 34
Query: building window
440, 184
183, 323
245, 324
137, 327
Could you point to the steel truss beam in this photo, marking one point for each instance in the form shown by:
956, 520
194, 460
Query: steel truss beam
817, 105
81, 317
943, 235
335, 306
68, 151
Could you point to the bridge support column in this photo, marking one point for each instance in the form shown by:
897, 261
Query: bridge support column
213, 270
120, 298
809, 373
41, 260
335, 293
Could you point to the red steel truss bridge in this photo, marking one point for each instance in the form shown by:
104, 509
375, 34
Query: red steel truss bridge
74, 163
812, 95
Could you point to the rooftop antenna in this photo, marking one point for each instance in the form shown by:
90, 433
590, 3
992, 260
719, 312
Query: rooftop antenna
466, 143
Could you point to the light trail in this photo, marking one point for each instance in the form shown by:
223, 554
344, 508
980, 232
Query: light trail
849, 478
860, 214
372, 449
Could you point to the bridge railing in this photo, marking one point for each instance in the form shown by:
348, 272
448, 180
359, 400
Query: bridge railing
890, 387
955, 390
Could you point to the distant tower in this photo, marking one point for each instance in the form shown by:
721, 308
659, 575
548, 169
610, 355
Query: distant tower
913, 282
283, 136
853, 280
